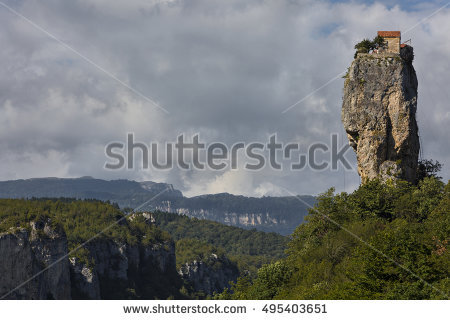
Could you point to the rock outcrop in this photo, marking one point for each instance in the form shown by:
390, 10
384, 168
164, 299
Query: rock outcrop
209, 275
120, 270
84, 280
378, 113
25, 255
35, 264
268, 214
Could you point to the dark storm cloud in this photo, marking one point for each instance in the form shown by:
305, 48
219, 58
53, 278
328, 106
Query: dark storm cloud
224, 69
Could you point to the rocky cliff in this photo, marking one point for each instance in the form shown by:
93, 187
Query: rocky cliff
120, 270
378, 113
269, 214
209, 275
62, 249
35, 263
25, 254
258, 220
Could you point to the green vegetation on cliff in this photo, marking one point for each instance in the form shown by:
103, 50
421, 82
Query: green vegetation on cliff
81, 220
101, 223
250, 249
365, 46
383, 241
188, 250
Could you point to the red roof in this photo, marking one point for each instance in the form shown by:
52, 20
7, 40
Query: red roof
403, 45
389, 34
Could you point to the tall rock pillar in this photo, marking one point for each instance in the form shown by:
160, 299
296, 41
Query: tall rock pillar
379, 114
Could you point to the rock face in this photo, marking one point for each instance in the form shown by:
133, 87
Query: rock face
121, 270
211, 275
84, 280
118, 270
262, 221
268, 214
378, 113
24, 256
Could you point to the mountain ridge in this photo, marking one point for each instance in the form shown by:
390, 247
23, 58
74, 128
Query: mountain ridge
270, 214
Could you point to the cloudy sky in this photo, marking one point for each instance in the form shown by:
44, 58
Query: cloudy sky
76, 75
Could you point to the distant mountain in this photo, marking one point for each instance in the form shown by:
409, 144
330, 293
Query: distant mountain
271, 214
124, 192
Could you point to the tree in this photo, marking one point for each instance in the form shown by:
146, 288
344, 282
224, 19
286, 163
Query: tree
428, 168
365, 46
378, 42
387, 239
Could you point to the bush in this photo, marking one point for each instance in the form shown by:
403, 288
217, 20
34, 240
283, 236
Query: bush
383, 241
365, 46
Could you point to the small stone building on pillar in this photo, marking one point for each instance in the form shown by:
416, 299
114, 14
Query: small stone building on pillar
393, 39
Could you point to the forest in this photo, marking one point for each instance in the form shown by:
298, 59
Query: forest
383, 241
249, 249
81, 220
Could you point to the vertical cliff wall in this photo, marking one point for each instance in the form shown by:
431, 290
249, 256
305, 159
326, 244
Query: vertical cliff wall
209, 275
25, 253
379, 115
118, 270
124, 271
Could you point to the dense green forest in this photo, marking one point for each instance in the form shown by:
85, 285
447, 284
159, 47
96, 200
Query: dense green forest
188, 250
80, 220
383, 241
285, 212
249, 249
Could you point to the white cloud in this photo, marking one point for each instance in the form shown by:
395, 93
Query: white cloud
225, 69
